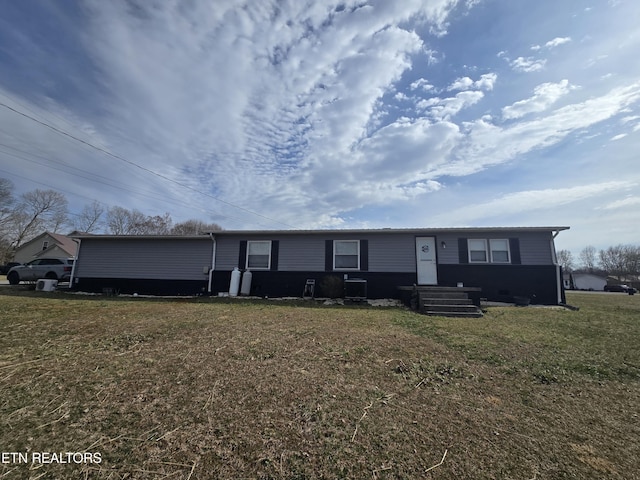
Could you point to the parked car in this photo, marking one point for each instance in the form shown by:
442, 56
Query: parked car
5, 268
619, 288
53, 268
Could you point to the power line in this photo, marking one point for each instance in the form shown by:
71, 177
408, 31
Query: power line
106, 180
159, 175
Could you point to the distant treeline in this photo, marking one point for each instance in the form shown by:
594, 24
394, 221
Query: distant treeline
32, 213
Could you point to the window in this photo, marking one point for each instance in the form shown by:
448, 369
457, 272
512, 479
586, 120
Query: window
259, 255
477, 250
346, 254
45, 245
500, 250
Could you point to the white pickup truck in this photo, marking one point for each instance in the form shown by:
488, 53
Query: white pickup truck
53, 268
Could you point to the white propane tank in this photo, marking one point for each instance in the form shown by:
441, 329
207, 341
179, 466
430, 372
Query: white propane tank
235, 282
245, 289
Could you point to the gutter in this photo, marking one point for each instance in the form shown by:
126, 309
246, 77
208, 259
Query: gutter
213, 262
75, 262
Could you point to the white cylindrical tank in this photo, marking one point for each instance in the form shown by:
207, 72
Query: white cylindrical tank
235, 282
245, 289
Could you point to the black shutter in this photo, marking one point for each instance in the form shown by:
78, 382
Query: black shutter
275, 245
514, 247
463, 251
364, 255
328, 255
242, 257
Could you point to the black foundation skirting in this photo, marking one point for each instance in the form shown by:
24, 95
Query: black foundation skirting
498, 283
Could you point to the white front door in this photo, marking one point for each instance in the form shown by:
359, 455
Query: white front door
426, 267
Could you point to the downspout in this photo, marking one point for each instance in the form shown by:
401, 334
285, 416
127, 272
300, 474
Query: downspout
554, 258
213, 261
75, 262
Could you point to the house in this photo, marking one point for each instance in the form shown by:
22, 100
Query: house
587, 281
502, 262
46, 244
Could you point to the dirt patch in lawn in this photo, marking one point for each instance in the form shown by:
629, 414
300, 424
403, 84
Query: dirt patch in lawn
207, 389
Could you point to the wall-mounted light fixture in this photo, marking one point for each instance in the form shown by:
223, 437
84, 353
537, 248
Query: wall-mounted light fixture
443, 244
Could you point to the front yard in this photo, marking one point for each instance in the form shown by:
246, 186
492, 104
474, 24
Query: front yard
199, 389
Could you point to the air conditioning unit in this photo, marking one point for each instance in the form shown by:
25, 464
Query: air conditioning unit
355, 289
46, 285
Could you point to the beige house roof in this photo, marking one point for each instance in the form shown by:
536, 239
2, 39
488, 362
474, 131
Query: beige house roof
47, 244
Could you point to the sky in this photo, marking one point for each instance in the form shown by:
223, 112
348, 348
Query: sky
331, 114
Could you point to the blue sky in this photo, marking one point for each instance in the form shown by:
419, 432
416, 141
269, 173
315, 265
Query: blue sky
331, 114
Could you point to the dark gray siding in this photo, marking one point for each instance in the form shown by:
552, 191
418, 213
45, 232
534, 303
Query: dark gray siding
174, 259
388, 252
299, 254
392, 253
535, 247
227, 251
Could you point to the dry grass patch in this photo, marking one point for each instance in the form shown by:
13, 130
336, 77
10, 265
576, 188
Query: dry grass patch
209, 389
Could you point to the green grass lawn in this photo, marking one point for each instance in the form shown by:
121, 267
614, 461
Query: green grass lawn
200, 389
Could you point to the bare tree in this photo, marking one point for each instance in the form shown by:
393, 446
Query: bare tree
613, 261
565, 259
155, 225
7, 202
194, 227
90, 219
122, 221
588, 258
35, 212
632, 260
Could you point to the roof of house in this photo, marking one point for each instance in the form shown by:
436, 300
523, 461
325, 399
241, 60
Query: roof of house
425, 231
61, 241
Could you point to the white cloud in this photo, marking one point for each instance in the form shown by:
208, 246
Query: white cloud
552, 43
422, 84
484, 144
445, 108
544, 96
486, 82
630, 201
531, 200
618, 137
463, 83
528, 64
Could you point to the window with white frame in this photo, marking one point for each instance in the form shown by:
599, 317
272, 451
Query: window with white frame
499, 250
45, 245
259, 254
478, 250
346, 254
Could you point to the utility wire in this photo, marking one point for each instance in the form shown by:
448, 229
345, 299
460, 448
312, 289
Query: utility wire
164, 177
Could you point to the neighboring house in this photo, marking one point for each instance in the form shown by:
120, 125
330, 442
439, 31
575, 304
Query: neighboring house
504, 262
46, 244
587, 281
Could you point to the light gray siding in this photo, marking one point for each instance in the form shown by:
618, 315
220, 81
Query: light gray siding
169, 259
